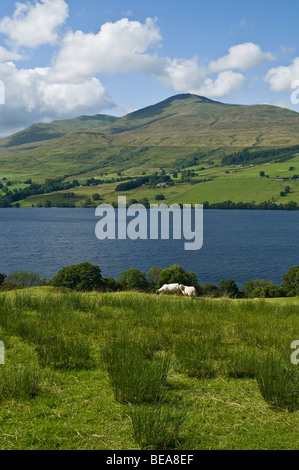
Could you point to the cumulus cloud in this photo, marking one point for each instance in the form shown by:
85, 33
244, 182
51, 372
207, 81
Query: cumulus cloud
31, 96
33, 25
6, 55
243, 57
118, 47
226, 83
281, 78
71, 85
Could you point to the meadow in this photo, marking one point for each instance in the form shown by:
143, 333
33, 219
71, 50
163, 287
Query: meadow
136, 371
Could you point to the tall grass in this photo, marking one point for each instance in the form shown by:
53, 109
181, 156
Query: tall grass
197, 356
19, 382
156, 427
63, 352
278, 381
133, 377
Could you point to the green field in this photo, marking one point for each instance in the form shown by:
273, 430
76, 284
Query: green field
243, 184
131, 371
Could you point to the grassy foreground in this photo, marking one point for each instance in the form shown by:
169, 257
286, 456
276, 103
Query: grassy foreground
131, 371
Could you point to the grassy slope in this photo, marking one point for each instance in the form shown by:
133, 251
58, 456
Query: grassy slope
164, 135
76, 409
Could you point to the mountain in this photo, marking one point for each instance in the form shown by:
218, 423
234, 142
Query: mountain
180, 131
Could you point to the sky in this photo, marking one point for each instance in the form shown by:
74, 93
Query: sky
64, 58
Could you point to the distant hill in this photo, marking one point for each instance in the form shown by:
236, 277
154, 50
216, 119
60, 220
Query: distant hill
181, 131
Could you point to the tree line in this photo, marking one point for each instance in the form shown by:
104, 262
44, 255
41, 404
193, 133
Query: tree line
88, 277
248, 155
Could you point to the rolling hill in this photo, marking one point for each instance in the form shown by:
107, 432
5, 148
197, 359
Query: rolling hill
180, 131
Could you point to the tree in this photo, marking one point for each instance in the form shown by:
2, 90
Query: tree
133, 279
258, 293
250, 286
209, 290
81, 277
153, 277
176, 274
111, 285
290, 284
228, 289
96, 197
2, 278
262, 174
26, 279
287, 189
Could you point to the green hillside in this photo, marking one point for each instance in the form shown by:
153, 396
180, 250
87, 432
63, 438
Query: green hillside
184, 131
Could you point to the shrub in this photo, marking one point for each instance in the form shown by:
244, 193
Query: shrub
133, 279
176, 274
290, 283
81, 277
209, 290
2, 277
228, 289
26, 279
153, 277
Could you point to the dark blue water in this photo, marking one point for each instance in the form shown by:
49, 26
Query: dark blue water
239, 245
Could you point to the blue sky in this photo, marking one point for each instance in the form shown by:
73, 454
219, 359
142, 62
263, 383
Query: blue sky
62, 58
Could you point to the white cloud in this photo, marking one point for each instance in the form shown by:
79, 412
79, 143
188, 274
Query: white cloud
119, 47
6, 55
71, 85
187, 76
31, 96
124, 47
181, 74
281, 78
242, 57
226, 83
35, 25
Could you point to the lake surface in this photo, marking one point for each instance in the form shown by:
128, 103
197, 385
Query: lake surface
239, 245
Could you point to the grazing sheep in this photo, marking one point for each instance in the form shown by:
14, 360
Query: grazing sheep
169, 289
188, 291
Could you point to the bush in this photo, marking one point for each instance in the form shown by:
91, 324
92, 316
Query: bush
159, 197
176, 274
153, 277
209, 290
290, 283
26, 279
2, 277
81, 277
250, 286
228, 289
133, 279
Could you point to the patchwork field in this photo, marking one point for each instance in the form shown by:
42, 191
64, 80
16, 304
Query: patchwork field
131, 371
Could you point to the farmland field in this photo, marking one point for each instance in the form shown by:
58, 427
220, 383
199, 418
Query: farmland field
131, 371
